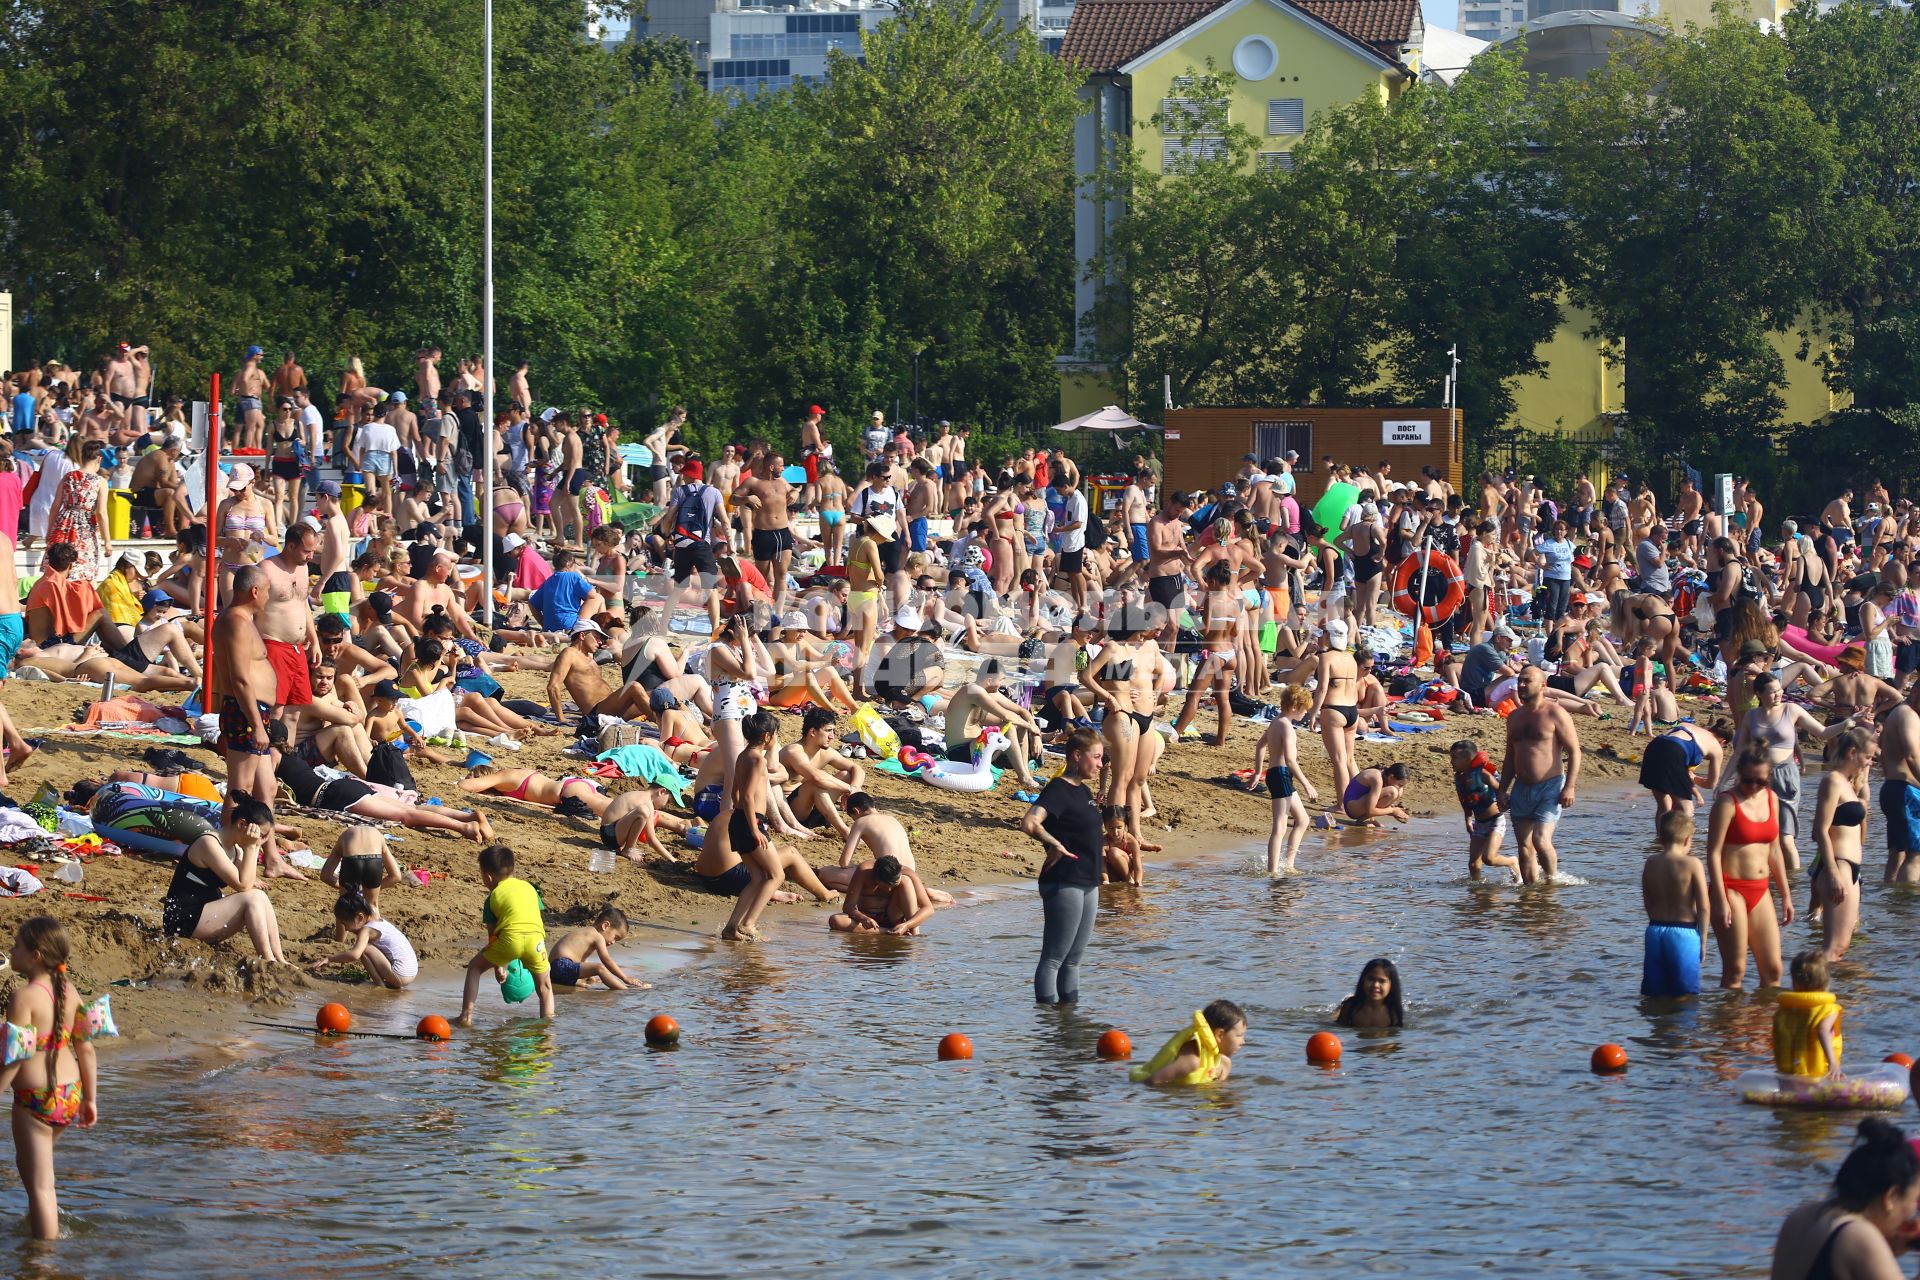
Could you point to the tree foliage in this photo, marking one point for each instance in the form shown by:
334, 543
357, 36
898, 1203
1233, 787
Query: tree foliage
205, 175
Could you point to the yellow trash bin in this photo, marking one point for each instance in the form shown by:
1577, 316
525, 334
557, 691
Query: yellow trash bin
119, 514
351, 496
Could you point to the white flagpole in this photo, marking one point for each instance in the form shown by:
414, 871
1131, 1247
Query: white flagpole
484, 507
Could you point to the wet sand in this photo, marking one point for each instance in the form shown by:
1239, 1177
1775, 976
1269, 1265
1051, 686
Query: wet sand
178, 987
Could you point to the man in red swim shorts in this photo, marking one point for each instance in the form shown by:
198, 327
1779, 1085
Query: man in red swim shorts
286, 622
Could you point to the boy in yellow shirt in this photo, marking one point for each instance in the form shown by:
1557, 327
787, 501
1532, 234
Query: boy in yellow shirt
515, 931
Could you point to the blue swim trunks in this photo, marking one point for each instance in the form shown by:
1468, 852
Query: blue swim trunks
1139, 532
1672, 961
565, 973
1537, 801
1900, 805
13, 633
917, 532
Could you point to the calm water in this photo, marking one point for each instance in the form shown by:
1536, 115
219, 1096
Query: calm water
805, 1125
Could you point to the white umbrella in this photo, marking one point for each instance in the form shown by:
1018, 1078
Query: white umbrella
1111, 418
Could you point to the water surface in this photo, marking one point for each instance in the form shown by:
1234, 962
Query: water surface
805, 1127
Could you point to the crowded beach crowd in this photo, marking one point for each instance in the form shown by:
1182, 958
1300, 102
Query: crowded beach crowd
759, 632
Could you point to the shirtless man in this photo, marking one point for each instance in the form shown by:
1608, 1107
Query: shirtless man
812, 453
130, 382
766, 493
566, 501
156, 483
426, 374
978, 706
349, 659
883, 897
1534, 786
335, 718
821, 773
1900, 792
576, 674
251, 385
405, 424
884, 837
724, 475
1167, 562
432, 592
1134, 513
921, 501
241, 682
517, 390
340, 588
289, 377
286, 621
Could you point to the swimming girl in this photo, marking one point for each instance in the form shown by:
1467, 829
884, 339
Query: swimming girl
1375, 1001
1201, 1053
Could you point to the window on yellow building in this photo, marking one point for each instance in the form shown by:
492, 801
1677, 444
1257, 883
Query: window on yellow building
1287, 115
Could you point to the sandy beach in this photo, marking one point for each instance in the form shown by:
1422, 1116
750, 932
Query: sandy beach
173, 985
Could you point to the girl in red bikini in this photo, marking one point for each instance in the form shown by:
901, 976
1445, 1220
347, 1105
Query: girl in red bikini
49, 1063
1744, 865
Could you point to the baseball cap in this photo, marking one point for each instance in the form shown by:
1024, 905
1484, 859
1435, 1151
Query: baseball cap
326, 488
587, 627
1504, 633
1338, 632
255, 351
422, 531
1248, 457
381, 603
878, 414
661, 699
599, 419
399, 397
126, 346
155, 598
388, 690
693, 470
815, 411
240, 477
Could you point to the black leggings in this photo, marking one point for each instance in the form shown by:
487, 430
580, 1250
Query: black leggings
1069, 910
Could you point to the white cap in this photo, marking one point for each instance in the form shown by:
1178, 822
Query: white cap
1337, 632
908, 617
513, 542
587, 627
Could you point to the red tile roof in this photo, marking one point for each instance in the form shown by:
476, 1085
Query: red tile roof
1105, 35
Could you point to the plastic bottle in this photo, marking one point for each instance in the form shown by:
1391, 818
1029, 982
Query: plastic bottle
70, 873
602, 862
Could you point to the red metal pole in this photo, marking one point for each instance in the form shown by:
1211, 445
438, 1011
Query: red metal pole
207, 702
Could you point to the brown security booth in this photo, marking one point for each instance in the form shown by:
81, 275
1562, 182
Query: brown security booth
1205, 446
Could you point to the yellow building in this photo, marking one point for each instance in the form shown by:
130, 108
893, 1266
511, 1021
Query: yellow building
1290, 60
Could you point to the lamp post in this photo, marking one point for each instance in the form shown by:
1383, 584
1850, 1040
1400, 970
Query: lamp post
483, 506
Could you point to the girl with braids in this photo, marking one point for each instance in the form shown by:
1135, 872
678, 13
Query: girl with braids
49, 1062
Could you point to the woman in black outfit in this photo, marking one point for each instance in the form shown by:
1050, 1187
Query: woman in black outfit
195, 907
1858, 1232
1066, 820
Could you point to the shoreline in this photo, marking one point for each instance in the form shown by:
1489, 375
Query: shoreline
962, 841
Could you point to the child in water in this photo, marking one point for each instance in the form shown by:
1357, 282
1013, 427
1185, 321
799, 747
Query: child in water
1673, 887
53, 1078
1278, 750
1375, 1001
582, 955
1478, 788
1199, 1054
1806, 1026
376, 945
1126, 864
515, 931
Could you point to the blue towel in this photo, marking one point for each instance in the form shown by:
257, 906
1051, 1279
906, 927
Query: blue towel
644, 760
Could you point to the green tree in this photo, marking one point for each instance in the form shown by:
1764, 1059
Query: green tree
1696, 185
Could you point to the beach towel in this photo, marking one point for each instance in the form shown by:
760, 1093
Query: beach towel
433, 714
646, 761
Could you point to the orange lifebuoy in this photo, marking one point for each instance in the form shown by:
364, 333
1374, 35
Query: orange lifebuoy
1442, 592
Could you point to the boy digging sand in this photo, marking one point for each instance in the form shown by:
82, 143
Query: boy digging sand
884, 897
1673, 885
582, 955
515, 931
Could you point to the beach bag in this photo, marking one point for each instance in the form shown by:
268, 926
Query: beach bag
875, 733
387, 767
615, 736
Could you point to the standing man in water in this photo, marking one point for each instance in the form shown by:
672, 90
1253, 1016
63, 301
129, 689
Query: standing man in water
1900, 792
1534, 787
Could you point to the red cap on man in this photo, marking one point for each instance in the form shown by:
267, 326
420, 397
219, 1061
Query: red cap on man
693, 470
815, 411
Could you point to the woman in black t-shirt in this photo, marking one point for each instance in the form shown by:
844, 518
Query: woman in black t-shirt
1066, 820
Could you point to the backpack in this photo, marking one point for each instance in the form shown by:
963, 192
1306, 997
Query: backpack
691, 508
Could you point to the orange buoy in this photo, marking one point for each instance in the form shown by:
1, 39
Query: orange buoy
662, 1031
1323, 1049
1609, 1058
332, 1020
1899, 1059
955, 1047
1115, 1044
433, 1027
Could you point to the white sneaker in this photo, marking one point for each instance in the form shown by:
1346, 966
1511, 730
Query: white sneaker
504, 742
